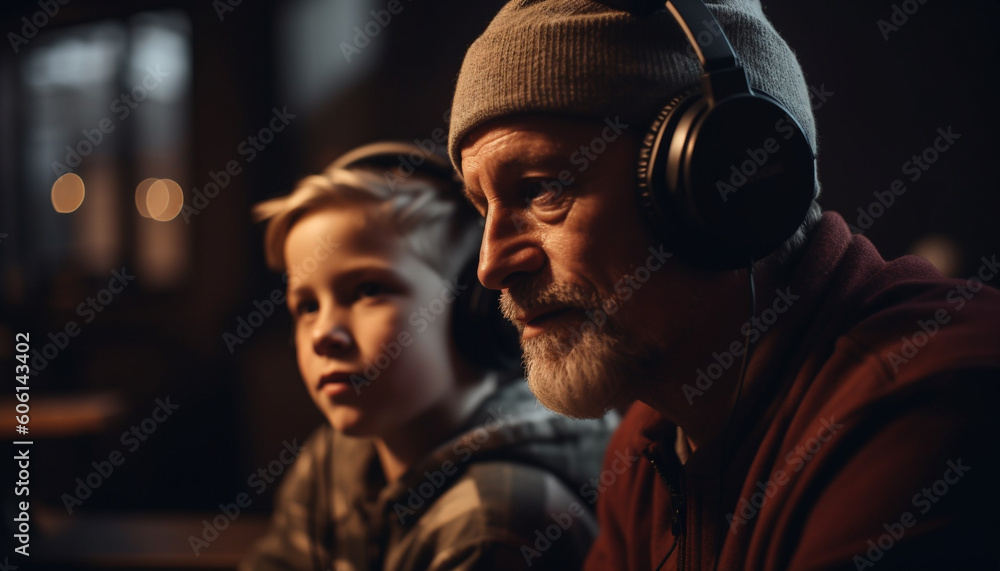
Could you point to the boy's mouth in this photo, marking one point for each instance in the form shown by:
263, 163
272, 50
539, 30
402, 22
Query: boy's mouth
334, 378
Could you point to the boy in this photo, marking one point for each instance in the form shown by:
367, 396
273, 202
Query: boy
435, 456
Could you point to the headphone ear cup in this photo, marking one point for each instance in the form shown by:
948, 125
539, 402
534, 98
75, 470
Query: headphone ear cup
483, 336
746, 176
653, 186
728, 182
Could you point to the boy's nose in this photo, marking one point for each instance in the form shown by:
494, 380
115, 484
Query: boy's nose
331, 338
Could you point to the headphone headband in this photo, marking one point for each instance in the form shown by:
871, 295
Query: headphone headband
393, 153
725, 173
714, 55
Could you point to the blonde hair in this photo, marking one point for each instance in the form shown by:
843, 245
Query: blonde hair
441, 228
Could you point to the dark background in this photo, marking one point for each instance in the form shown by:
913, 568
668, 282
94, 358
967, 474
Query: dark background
163, 336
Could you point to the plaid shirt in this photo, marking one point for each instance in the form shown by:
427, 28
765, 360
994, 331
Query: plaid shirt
506, 493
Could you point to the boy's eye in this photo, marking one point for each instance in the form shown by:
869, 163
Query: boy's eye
371, 289
305, 306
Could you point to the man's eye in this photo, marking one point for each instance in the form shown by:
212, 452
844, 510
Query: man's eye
542, 192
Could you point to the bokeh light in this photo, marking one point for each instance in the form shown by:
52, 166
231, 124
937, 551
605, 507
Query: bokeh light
141, 192
67, 193
157, 198
164, 199
940, 250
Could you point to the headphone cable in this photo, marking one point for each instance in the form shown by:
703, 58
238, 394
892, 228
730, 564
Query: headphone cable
746, 352
732, 410
725, 459
669, 551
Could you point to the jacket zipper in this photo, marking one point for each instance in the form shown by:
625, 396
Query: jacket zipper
677, 502
683, 515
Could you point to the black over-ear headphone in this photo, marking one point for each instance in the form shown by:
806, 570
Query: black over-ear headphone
483, 336
725, 171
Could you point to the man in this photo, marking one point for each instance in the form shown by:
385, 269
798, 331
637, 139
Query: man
838, 420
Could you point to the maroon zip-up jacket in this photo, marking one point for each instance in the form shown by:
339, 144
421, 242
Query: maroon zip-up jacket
867, 436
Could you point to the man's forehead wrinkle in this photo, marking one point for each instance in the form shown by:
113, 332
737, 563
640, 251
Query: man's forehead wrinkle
485, 139
504, 137
492, 143
522, 149
536, 148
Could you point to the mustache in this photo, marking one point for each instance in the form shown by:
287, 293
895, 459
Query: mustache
530, 297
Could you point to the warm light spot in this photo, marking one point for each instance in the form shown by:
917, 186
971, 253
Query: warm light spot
141, 192
941, 251
67, 193
165, 200
157, 198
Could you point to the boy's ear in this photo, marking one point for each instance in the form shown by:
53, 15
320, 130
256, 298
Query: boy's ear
483, 336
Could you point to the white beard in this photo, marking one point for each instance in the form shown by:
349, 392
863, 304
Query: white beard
582, 369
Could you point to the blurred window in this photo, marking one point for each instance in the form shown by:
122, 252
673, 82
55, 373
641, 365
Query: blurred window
109, 102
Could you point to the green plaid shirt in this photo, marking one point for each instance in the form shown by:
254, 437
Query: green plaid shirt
504, 494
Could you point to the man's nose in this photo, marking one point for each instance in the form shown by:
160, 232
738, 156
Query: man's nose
510, 250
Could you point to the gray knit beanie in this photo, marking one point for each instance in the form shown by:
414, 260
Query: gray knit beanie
584, 58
